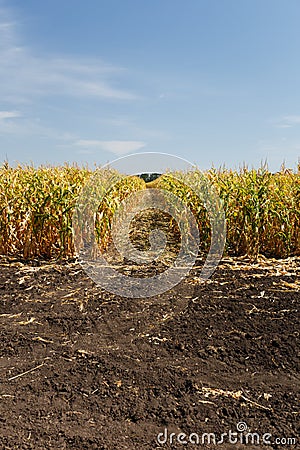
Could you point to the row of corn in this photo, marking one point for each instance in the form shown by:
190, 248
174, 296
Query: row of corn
262, 209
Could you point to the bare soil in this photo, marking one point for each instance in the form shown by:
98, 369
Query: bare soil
84, 369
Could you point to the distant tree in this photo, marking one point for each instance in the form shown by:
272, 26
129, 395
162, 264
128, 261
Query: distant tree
148, 177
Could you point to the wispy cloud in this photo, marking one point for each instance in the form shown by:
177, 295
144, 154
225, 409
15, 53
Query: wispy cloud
116, 147
9, 115
25, 74
288, 121
13, 123
29, 80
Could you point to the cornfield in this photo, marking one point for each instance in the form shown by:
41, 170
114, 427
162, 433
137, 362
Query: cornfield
262, 209
36, 210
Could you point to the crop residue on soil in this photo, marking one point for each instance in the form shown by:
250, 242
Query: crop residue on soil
84, 369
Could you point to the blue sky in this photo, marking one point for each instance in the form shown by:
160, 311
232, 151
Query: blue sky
216, 82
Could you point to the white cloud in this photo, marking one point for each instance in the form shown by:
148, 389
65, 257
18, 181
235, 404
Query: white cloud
9, 114
287, 121
25, 74
13, 123
292, 119
116, 147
